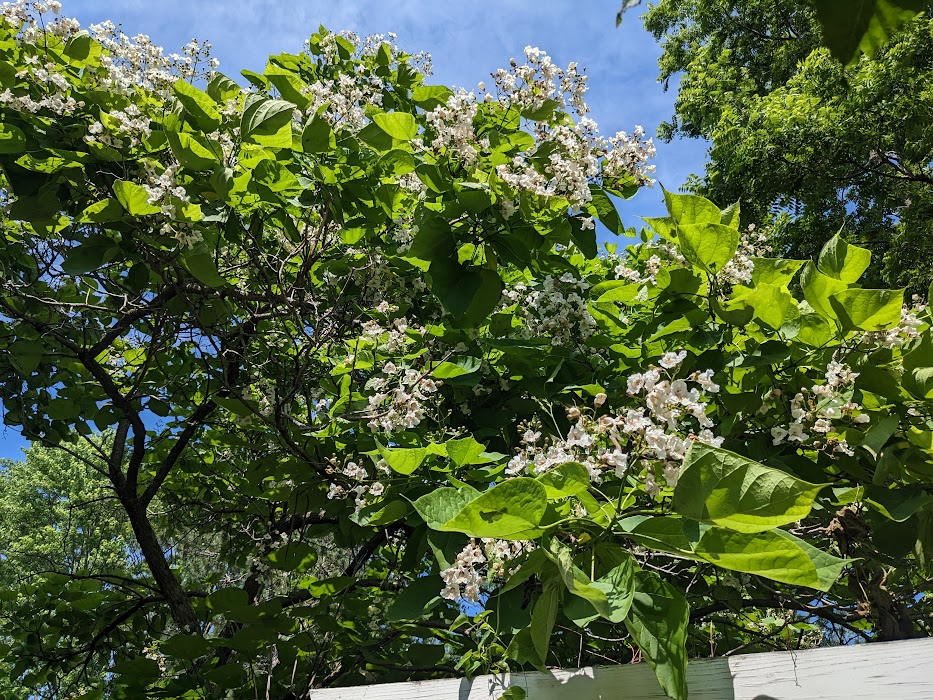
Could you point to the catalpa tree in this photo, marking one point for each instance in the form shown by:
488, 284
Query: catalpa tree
353, 329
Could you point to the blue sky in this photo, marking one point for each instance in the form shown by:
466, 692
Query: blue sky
467, 40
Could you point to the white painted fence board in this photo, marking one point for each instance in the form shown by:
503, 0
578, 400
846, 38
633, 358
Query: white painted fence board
888, 671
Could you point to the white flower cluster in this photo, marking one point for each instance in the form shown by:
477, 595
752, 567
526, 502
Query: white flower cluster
464, 579
389, 339
556, 308
453, 126
660, 424
624, 272
399, 398
815, 409
56, 102
372, 274
628, 155
344, 100
163, 189
131, 62
752, 244
538, 455
903, 332
661, 431
47, 77
127, 63
120, 128
577, 155
531, 85
361, 491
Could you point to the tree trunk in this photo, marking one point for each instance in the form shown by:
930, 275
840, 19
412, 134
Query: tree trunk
169, 586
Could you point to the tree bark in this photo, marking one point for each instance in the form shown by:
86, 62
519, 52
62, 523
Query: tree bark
169, 586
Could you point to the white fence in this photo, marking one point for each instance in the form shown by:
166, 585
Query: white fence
889, 671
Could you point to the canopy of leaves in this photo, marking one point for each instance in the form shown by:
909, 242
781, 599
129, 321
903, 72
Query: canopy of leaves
802, 140
347, 335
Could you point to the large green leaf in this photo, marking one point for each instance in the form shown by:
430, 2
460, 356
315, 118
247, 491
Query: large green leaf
12, 139
851, 27
543, 617
430, 96
416, 600
843, 261
267, 122
868, 309
403, 460
292, 556
658, 624
918, 368
198, 104
465, 451
564, 480
721, 487
772, 304
101, 212
817, 288
26, 355
134, 198
193, 151
776, 271
318, 136
775, 554
691, 209
398, 125
200, 263
443, 504
709, 246
469, 293
604, 210
508, 509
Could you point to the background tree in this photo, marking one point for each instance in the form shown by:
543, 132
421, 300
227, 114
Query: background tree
60, 517
800, 139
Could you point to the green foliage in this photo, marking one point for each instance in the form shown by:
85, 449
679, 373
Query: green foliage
809, 145
851, 28
376, 408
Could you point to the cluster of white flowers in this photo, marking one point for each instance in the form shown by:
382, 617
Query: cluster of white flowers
127, 63
661, 431
628, 155
816, 408
343, 100
577, 154
538, 455
624, 272
555, 308
464, 579
399, 398
48, 78
120, 128
908, 329
663, 434
361, 492
373, 275
403, 232
56, 102
453, 126
531, 85
163, 189
131, 62
752, 244
389, 339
